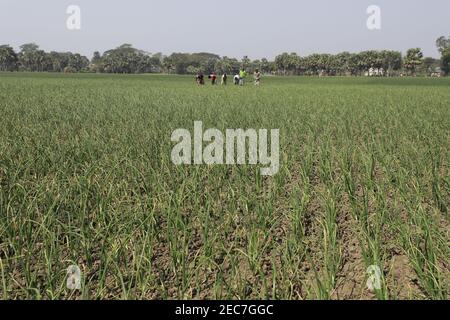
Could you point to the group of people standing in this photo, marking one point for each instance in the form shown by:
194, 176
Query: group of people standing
238, 79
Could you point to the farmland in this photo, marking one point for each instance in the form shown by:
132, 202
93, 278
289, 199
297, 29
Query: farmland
86, 179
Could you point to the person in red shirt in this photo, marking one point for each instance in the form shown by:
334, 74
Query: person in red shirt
213, 78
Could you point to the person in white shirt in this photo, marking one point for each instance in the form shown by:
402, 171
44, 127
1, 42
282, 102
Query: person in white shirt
236, 79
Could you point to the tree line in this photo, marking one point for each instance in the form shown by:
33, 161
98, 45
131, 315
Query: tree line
127, 59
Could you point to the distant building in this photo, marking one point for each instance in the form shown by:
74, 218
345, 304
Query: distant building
437, 73
375, 72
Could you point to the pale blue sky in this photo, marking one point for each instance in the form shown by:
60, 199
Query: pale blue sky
257, 28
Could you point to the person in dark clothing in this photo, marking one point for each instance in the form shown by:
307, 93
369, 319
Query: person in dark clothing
224, 79
200, 79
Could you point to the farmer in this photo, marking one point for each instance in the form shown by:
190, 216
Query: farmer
224, 79
242, 76
213, 78
236, 79
257, 76
200, 79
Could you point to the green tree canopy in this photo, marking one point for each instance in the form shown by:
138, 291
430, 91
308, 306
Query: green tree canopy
413, 59
8, 58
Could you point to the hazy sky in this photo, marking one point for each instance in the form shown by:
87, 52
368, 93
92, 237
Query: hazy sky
257, 28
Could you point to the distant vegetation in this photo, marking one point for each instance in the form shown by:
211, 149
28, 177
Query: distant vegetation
127, 59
